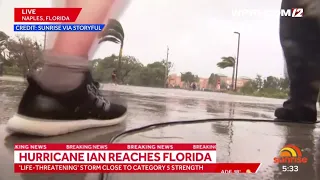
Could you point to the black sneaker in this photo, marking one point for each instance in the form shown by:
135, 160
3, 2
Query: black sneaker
44, 113
296, 114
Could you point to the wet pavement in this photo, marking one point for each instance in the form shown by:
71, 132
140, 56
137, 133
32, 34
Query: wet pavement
236, 141
154, 105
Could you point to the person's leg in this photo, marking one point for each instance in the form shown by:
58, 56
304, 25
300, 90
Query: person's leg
300, 40
68, 56
64, 98
93, 12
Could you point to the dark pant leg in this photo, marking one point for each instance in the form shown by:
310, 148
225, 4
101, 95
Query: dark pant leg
300, 40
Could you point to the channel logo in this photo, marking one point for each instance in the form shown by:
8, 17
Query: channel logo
290, 154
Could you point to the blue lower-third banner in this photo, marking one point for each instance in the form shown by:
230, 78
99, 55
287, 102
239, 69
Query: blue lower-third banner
59, 27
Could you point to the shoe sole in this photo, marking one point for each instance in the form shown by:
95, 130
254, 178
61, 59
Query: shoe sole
41, 127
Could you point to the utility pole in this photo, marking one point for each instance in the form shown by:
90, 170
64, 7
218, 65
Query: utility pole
237, 61
166, 69
45, 40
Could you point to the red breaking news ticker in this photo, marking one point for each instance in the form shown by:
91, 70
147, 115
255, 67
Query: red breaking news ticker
138, 168
125, 158
135, 147
46, 14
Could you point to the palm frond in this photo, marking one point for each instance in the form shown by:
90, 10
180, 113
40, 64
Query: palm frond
108, 38
224, 64
114, 25
229, 59
113, 33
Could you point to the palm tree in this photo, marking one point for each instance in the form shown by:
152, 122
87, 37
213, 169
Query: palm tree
228, 62
113, 32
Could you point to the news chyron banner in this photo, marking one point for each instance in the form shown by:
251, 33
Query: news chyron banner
119, 158
59, 17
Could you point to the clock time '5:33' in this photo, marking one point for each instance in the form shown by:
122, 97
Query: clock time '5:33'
286, 168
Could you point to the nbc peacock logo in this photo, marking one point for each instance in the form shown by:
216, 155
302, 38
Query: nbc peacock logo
290, 154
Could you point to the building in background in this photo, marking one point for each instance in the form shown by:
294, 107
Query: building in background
203, 83
227, 81
174, 81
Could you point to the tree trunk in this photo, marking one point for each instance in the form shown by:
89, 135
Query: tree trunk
233, 69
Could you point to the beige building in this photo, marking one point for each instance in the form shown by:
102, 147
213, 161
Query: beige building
228, 80
175, 81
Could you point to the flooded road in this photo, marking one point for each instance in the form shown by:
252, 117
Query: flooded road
154, 105
236, 141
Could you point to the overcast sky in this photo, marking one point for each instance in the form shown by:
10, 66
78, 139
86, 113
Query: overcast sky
198, 33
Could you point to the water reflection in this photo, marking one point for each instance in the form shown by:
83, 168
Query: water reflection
189, 103
10, 93
12, 89
258, 115
215, 107
231, 107
152, 104
224, 129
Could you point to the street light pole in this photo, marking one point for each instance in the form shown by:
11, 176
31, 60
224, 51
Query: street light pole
166, 69
45, 40
237, 61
